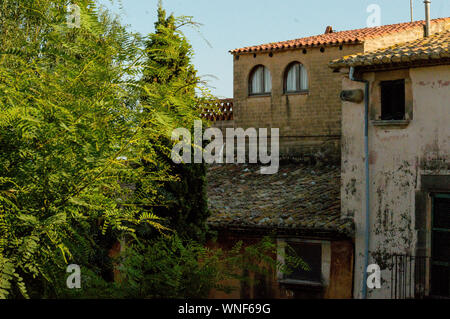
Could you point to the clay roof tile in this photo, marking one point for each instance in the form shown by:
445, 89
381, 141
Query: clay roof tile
350, 36
436, 46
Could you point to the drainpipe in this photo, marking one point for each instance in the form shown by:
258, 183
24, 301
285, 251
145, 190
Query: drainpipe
427, 17
366, 164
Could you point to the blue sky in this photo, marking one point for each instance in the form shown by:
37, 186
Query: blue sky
231, 24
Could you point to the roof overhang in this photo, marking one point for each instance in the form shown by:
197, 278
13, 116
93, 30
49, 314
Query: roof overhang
292, 47
283, 232
391, 66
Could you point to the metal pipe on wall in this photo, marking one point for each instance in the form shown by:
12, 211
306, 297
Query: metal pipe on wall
427, 17
367, 177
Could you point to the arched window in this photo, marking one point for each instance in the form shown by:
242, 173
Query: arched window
260, 81
296, 78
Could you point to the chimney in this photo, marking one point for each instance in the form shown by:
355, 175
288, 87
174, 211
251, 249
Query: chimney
329, 29
427, 17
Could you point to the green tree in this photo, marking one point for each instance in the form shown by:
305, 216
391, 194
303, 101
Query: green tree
73, 136
86, 116
172, 79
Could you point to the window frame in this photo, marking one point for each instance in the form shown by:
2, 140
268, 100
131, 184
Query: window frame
435, 261
299, 83
263, 84
325, 262
375, 78
390, 84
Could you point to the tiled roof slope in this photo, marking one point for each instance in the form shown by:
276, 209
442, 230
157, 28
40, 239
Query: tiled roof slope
335, 38
435, 47
297, 199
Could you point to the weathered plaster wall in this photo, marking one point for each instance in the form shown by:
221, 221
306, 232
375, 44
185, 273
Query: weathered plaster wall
352, 174
339, 267
398, 157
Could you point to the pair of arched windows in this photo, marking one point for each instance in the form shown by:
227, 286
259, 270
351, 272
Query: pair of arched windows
295, 79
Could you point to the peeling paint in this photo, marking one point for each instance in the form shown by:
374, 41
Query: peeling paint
397, 157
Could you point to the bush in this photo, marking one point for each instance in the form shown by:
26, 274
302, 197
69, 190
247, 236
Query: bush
173, 268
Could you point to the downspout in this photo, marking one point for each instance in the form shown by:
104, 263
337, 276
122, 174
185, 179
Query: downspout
366, 164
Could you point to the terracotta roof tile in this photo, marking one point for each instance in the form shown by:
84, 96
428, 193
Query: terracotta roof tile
335, 38
435, 47
299, 198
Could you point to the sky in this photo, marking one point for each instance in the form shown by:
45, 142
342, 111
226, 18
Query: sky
231, 24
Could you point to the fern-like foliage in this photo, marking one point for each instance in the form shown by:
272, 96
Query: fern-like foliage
73, 139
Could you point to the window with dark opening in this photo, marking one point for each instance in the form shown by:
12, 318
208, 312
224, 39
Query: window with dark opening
393, 100
311, 254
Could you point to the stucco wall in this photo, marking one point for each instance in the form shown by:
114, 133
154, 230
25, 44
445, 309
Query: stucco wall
398, 157
338, 264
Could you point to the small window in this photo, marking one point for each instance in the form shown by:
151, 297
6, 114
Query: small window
311, 254
260, 81
296, 79
393, 100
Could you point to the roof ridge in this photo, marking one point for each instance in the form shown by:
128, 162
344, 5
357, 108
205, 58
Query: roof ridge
348, 36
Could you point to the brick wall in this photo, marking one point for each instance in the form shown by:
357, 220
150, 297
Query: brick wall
309, 123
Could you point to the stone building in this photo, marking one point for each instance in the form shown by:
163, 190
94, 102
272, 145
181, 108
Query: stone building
288, 85
401, 203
